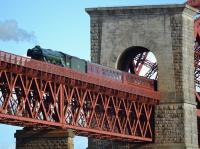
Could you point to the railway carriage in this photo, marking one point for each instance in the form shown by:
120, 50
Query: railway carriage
77, 64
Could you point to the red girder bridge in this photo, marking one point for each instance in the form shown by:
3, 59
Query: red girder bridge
36, 94
42, 95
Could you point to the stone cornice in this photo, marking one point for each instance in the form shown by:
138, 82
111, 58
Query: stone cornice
146, 10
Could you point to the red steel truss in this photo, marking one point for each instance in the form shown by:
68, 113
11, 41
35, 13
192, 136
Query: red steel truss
141, 60
196, 4
39, 94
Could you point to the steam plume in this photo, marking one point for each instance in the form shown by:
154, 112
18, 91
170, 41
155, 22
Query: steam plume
10, 31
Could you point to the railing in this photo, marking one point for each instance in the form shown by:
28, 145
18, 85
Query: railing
89, 78
110, 110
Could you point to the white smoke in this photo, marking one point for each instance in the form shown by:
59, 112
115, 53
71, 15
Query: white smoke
10, 31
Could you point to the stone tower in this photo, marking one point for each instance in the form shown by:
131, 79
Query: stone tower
167, 31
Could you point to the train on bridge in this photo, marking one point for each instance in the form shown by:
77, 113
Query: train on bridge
42, 95
77, 64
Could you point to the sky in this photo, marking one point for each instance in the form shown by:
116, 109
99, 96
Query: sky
59, 25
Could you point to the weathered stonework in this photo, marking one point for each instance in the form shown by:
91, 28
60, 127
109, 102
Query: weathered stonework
104, 144
44, 139
175, 124
96, 29
167, 31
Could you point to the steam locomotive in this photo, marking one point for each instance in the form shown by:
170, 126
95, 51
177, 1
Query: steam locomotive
77, 64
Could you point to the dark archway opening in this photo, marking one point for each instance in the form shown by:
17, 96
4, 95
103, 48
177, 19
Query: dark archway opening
140, 61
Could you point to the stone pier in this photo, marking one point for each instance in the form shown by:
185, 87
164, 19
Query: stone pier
167, 31
44, 139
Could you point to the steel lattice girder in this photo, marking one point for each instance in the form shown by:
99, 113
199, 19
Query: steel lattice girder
141, 60
27, 99
33, 98
197, 75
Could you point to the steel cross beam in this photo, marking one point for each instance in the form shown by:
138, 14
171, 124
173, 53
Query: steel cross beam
140, 61
38, 94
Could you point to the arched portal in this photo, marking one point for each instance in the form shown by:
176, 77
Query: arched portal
167, 31
138, 60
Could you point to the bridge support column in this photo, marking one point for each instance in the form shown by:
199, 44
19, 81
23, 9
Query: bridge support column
167, 31
44, 139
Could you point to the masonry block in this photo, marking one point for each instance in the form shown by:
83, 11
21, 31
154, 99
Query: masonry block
44, 139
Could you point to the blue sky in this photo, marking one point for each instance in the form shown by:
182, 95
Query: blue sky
60, 25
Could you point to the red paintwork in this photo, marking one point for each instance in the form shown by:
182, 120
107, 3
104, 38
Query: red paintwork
39, 94
143, 82
106, 72
194, 3
140, 61
197, 26
119, 76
